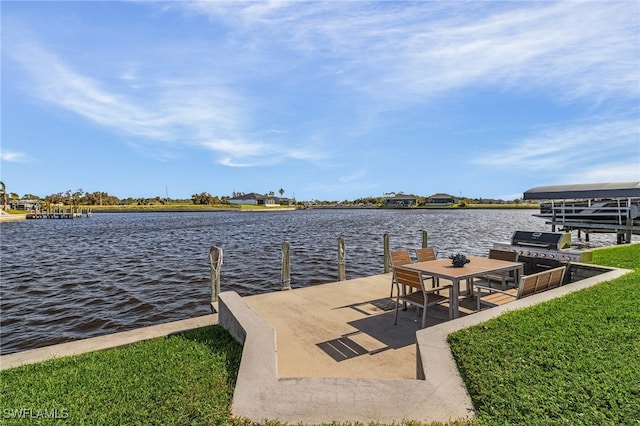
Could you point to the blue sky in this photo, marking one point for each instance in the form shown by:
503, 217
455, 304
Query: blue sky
331, 100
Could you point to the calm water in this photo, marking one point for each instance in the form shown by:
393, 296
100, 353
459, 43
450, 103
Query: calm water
63, 280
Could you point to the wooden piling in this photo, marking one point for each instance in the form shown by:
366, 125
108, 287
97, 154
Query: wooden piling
387, 256
425, 239
341, 257
286, 267
215, 259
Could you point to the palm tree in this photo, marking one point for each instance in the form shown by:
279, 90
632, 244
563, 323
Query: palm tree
281, 192
4, 195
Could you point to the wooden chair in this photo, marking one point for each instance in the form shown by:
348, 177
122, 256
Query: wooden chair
425, 254
509, 256
399, 257
421, 297
529, 284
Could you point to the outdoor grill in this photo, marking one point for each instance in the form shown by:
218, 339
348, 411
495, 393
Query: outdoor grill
540, 250
545, 240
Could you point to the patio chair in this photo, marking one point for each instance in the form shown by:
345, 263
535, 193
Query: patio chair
426, 254
398, 257
421, 297
509, 256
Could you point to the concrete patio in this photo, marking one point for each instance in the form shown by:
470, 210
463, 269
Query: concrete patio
332, 353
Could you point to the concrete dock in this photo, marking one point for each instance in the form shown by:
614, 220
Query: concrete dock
344, 329
331, 352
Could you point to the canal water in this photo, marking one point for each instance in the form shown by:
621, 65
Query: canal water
64, 280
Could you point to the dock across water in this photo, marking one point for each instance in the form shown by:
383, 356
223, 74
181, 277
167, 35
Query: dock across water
72, 213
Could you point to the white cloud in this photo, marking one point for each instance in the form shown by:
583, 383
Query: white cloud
193, 110
576, 151
411, 51
378, 56
623, 171
355, 176
189, 111
14, 157
237, 148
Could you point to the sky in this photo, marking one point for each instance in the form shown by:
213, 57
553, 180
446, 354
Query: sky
327, 100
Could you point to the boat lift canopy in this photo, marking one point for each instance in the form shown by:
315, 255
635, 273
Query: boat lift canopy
593, 207
612, 190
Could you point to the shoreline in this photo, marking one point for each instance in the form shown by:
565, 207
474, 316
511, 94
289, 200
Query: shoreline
12, 217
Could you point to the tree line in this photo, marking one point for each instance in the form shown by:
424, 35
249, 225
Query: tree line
99, 198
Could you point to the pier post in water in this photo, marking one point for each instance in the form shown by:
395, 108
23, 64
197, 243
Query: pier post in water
286, 267
425, 239
215, 259
387, 256
341, 255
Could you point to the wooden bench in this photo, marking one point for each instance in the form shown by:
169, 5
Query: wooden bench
528, 285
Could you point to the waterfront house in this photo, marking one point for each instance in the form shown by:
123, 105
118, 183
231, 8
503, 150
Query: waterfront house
441, 199
255, 199
401, 201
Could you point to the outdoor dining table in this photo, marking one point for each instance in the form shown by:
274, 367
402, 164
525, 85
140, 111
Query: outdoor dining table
477, 267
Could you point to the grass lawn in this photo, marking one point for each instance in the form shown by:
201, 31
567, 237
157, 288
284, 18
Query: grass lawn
185, 379
573, 360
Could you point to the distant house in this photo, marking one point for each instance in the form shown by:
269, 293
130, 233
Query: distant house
25, 204
286, 201
441, 199
401, 201
255, 199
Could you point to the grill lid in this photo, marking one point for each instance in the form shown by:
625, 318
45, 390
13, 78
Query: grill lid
548, 240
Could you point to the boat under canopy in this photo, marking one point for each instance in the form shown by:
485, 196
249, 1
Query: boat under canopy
594, 207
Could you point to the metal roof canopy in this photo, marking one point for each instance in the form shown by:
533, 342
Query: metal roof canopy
610, 190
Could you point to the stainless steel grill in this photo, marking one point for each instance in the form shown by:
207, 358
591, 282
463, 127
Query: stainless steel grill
547, 240
544, 245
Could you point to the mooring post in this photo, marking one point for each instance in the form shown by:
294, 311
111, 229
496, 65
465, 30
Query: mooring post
341, 255
286, 267
629, 225
387, 257
425, 239
215, 259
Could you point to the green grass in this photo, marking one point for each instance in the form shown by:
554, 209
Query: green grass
186, 379
504, 206
572, 360
625, 256
177, 208
161, 208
